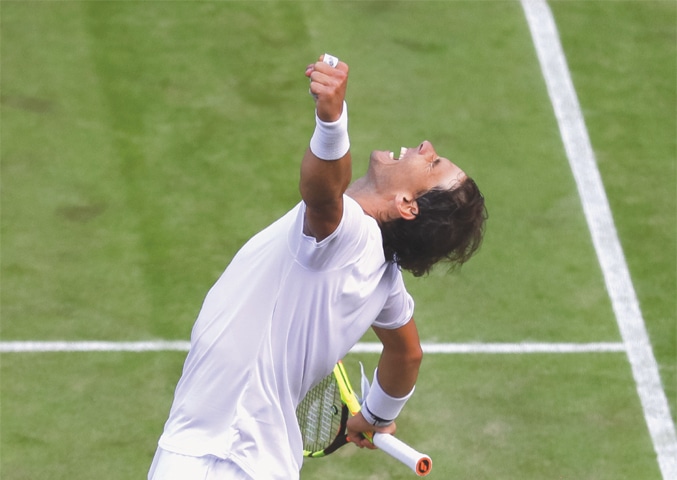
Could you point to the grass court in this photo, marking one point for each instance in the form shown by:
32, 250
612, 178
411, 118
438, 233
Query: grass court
143, 142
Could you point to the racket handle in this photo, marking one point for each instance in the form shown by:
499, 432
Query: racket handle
420, 463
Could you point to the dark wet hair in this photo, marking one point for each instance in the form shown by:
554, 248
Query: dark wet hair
449, 227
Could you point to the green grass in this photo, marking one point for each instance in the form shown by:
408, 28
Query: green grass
143, 142
505, 418
79, 415
625, 70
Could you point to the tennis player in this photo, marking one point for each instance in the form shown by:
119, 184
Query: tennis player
303, 291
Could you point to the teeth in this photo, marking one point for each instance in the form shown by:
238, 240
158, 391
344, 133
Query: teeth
392, 156
403, 150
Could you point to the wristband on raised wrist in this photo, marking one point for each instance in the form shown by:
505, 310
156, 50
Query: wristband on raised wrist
330, 140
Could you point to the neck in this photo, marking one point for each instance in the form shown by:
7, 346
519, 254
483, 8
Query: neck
360, 191
373, 203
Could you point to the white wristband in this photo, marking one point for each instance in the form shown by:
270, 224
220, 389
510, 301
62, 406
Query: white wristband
330, 140
381, 409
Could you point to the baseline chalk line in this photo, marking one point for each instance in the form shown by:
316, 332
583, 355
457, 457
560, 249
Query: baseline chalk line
363, 347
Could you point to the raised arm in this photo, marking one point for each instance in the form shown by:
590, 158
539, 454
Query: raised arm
326, 167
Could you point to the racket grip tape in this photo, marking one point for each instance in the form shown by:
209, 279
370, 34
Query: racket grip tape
420, 463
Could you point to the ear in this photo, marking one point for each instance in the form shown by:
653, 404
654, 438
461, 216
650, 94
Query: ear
406, 206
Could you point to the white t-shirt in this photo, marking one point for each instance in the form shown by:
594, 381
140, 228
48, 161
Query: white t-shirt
286, 309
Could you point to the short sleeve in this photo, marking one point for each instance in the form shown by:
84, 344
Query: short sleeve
347, 243
399, 306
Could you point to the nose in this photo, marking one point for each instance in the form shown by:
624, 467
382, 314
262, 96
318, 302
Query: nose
426, 148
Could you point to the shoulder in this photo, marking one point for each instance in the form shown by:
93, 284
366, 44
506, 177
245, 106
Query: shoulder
357, 236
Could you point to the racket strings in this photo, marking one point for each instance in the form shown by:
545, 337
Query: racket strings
319, 415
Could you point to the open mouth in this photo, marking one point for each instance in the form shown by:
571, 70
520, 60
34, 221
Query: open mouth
403, 151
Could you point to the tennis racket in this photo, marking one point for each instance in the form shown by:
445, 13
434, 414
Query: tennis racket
323, 415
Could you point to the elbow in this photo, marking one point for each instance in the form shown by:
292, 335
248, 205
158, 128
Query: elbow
415, 356
410, 358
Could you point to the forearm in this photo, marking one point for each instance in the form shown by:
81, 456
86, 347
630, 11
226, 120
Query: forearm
398, 370
400, 360
396, 375
393, 383
392, 387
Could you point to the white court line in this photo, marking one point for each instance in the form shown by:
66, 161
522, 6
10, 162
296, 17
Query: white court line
523, 347
605, 239
93, 346
363, 347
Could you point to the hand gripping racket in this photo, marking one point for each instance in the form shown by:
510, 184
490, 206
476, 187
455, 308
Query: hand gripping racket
323, 416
